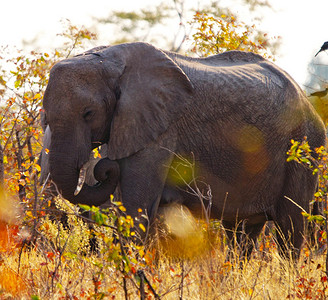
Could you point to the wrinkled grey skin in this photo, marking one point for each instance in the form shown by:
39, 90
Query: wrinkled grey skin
44, 160
235, 112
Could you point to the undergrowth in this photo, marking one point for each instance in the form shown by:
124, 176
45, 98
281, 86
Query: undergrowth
60, 263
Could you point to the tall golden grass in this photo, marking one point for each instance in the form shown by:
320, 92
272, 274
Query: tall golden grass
192, 262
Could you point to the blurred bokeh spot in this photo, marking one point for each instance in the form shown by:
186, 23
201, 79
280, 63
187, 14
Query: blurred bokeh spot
184, 236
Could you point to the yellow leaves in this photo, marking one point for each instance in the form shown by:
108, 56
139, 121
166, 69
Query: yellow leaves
3, 82
29, 214
96, 153
57, 53
37, 167
142, 227
22, 85
37, 96
122, 208
300, 152
217, 35
18, 84
317, 161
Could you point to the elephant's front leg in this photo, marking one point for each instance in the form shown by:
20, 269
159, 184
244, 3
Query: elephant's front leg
143, 176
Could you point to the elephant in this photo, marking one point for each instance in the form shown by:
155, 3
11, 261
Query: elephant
233, 114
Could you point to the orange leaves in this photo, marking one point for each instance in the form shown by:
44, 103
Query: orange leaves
8, 227
6, 237
11, 283
310, 288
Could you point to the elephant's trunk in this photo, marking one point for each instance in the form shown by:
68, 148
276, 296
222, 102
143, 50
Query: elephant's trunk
65, 173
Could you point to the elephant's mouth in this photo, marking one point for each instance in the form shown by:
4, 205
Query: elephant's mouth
96, 144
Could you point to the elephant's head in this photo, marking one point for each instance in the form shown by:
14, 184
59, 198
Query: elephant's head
125, 95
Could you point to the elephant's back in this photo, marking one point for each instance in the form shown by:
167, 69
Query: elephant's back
246, 88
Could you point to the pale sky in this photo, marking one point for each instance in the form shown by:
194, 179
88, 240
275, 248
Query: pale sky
302, 24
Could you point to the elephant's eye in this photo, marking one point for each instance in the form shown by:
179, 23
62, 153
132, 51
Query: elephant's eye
88, 115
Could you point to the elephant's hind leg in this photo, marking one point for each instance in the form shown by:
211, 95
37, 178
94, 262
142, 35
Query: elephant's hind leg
243, 238
298, 191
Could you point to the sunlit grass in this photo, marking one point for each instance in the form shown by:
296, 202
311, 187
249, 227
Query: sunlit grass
190, 263
207, 277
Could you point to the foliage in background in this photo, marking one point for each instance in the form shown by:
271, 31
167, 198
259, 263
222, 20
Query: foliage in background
23, 80
219, 34
150, 24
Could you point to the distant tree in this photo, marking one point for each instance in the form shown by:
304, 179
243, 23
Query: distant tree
140, 25
216, 35
253, 4
153, 24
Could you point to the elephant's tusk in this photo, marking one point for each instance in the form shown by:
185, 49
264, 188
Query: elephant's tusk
81, 180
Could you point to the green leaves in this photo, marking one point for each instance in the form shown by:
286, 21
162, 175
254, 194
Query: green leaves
316, 218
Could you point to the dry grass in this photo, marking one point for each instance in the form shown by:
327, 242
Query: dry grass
187, 265
265, 276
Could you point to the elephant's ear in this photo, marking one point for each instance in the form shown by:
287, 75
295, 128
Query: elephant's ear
153, 93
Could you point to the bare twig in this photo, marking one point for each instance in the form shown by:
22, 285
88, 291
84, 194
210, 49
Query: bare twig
182, 279
192, 186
